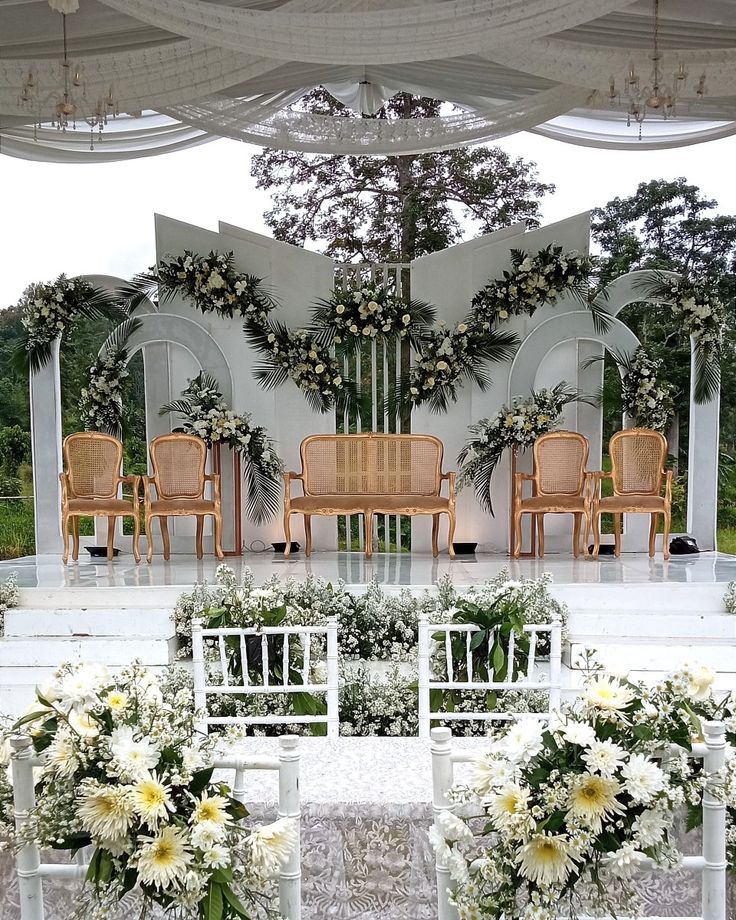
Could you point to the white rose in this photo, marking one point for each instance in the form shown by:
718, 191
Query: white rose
340, 308
319, 369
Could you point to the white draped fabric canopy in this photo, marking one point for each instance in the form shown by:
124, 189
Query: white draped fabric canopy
186, 71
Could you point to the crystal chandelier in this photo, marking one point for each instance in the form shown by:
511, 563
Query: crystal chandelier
67, 101
657, 96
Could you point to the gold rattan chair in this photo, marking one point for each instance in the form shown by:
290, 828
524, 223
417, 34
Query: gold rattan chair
90, 485
559, 484
177, 489
638, 457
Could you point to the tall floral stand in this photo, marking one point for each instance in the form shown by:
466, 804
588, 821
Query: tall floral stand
216, 449
512, 530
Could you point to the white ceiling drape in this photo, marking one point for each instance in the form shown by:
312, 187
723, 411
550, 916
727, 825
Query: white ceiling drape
199, 69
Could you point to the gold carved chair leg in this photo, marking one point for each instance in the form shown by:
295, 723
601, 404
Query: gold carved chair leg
596, 532
653, 519
136, 537
308, 533
65, 537
368, 533
110, 536
75, 534
200, 533
666, 534
576, 534
164, 522
617, 523
517, 533
149, 538
218, 536
287, 533
540, 534
586, 535
451, 533
435, 535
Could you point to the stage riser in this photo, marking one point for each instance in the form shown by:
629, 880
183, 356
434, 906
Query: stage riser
97, 621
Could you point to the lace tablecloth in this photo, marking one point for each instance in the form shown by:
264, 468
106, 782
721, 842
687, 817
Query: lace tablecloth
366, 807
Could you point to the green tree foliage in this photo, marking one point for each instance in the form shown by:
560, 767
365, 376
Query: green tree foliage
671, 225
394, 208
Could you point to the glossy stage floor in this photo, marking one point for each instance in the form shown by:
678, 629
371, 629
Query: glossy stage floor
408, 569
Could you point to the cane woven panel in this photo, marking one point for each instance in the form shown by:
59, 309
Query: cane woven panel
560, 464
371, 464
93, 464
637, 458
179, 464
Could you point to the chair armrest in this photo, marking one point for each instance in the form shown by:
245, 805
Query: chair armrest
450, 477
149, 489
214, 478
64, 480
135, 481
668, 485
595, 478
288, 476
519, 480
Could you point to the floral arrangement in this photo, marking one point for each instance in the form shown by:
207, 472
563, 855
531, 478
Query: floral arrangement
534, 280
450, 355
573, 808
211, 283
517, 427
300, 357
348, 318
702, 317
48, 310
9, 597
646, 399
729, 598
101, 401
205, 413
125, 774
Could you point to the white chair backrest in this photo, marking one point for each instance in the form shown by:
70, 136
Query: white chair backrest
31, 871
262, 648
711, 864
525, 679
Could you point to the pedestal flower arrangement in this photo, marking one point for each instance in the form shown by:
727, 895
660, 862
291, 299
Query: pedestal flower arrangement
645, 396
125, 774
573, 809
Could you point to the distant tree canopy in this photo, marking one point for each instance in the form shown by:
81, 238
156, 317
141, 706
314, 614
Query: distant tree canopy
394, 208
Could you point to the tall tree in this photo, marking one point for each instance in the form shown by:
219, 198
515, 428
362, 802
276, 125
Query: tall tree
394, 208
671, 225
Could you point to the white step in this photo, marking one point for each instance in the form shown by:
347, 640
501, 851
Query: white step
90, 621
161, 596
651, 597
653, 655
51, 652
676, 624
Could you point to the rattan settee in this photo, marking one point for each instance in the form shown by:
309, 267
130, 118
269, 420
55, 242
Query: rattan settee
370, 474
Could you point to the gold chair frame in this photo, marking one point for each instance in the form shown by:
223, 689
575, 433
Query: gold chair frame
189, 502
369, 500
631, 500
103, 475
554, 501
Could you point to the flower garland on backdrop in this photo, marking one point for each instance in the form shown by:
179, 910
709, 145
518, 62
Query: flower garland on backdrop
517, 427
647, 399
205, 413
702, 317
575, 808
125, 773
101, 401
49, 310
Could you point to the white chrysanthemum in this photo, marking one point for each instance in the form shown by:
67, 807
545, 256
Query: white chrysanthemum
133, 758
152, 801
106, 811
650, 827
271, 846
593, 798
163, 861
210, 809
81, 687
701, 681
451, 827
643, 779
488, 774
607, 694
579, 733
216, 857
205, 836
117, 701
604, 757
84, 724
546, 859
509, 808
625, 861
523, 741
61, 757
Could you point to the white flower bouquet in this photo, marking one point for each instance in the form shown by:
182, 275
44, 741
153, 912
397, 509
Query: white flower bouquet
206, 414
516, 426
646, 398
125, 774
534, 280
574, 808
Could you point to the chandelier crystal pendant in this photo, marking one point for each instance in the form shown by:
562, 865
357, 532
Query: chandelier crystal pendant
67, 101
658, 96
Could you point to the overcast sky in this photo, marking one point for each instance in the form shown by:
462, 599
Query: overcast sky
99, 219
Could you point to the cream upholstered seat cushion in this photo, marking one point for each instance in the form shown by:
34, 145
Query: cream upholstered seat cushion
387, 504
182, 506
553, 503
95, 506
632, 503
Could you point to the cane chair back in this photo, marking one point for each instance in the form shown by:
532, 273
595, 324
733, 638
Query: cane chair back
273, 660
711, 863
638, 457
373, 464
461, 674
178, 462
560, 458
31, 871
93, 464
